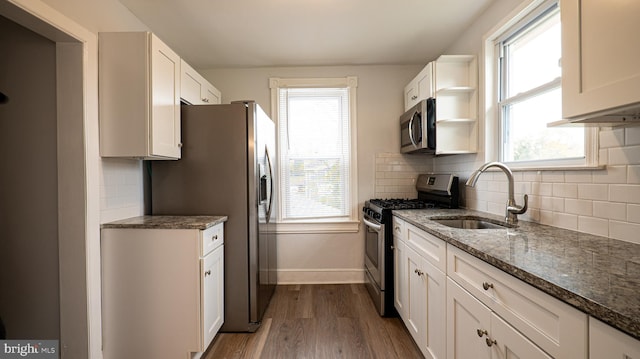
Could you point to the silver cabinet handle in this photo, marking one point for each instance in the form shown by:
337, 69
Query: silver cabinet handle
486, 285
207, 273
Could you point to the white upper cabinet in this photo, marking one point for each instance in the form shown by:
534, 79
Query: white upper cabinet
195, 89
453, 81
139, 84
600, 68
420, 88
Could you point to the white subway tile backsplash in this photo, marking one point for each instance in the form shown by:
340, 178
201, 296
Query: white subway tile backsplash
633, 213
553, 176
564, 220
578, 206
578, 177
396, 174
611, 174
567, 190
593, 191
597, 226
624, 193
632, 136
629, 155
601, 202
610, 210
633, 174
612, 138
624, 231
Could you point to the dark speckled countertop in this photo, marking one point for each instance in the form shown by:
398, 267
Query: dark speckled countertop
598, 275
167, 222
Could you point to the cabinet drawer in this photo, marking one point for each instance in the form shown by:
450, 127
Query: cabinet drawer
398, 227
556, 327
433, 249
212, 237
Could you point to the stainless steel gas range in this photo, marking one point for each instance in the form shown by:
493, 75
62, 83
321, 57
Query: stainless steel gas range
435, 190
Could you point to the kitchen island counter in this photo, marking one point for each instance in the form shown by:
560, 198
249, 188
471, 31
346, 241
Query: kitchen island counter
597, 275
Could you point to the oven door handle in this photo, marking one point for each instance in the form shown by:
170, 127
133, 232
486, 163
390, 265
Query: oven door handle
376, 227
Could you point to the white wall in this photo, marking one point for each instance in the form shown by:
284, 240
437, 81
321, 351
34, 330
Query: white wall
331, 257
602, 202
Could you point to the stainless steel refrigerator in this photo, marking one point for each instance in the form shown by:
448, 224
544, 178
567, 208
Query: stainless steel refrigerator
227, 168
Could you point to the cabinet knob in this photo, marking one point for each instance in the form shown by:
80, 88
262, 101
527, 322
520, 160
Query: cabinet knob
418, 272
214, 237
392, 247
482, 332
180, 144
414, 97
490, 342
397, 228
205, 100
207, 273
486, 285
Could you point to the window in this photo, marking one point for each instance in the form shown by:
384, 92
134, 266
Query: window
526, 52
316, 132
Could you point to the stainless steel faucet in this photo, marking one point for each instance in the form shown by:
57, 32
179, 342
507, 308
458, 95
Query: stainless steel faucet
513, 210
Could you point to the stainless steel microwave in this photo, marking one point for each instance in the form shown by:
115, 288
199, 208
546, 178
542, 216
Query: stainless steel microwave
418, 128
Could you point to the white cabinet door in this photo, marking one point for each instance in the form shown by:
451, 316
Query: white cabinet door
607, 342
420, 88
416, 316
400, 280
139, 85
469, 322
165, 98
508, 343
211, 95
191, 84
195, 89
425, 307
600, 51
212, 294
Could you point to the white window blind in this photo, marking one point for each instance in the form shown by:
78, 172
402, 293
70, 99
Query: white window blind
315, 153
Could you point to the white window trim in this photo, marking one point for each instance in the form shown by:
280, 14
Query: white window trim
491, 109
352, 224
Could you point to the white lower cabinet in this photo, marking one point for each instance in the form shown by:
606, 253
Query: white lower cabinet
162, 291
420, 297
475, 331
552, 325
459, 307
607, 342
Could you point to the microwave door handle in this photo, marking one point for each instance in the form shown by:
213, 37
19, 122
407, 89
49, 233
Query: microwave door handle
411, 130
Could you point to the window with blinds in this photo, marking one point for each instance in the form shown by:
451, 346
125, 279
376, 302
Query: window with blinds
315, 153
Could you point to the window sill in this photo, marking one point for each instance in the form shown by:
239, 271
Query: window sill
318, 227
558, 168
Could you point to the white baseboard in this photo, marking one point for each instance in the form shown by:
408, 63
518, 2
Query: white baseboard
320, 276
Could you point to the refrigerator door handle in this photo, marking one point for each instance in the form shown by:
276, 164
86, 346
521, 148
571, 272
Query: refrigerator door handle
270, 195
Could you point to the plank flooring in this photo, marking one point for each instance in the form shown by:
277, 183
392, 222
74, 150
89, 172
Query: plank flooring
319, 321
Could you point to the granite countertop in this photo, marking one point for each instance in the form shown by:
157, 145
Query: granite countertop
598, 275
167, 222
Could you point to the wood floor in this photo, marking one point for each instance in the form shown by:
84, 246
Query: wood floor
318, 322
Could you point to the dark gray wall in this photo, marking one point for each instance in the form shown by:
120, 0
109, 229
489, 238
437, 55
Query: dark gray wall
29, 282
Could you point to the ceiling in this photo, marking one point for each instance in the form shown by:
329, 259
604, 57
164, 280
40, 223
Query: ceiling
251, 33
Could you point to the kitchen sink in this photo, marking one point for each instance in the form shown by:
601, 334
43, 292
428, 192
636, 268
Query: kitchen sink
471, 223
